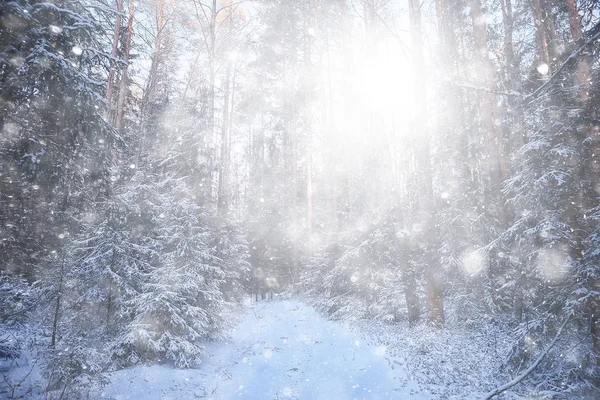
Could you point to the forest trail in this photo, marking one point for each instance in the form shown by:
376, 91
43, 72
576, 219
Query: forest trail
280, 350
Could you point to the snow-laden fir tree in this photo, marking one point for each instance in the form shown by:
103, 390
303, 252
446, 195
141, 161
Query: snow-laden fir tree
53, 138
181, 302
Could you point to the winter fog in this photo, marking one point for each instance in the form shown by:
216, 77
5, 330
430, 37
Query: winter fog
299, 199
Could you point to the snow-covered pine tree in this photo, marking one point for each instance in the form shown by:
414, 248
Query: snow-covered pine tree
232, 251
53, 151
181, 302
552, 265
111, 258
51, 81
361, 277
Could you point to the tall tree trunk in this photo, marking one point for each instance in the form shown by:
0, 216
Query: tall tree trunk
583, 68
494, 145
57, 306
294, 162
549, 18
514, 126
224, 162
150, 89
210, 44
541, 33
113, 64
435, 305
309, 185
409, 279
512, 71
66, 180
589, 171
413, 305
124, 73
330, 128
109, 304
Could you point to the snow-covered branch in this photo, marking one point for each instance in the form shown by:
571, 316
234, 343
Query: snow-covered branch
531, 368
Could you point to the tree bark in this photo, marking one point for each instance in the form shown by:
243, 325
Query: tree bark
590, 172
109, 305
410, 293
595, 332
540, 33
124, 73
435, 305
494, 144
149, 91
309, 186
583, 69
224, 162
512, 71
57, 306
113, 64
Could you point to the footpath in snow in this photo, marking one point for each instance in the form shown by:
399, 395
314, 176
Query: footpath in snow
280, 350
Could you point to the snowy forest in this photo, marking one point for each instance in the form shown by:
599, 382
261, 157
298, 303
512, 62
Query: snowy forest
421, 174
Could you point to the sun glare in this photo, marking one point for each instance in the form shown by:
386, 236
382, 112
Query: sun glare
383, 83
376, 89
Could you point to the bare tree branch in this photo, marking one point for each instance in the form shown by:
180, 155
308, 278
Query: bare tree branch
529, 370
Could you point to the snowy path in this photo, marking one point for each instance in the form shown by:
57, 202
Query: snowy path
281, 350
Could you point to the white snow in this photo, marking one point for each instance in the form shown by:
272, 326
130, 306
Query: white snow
543, 69
280, 350
77, 50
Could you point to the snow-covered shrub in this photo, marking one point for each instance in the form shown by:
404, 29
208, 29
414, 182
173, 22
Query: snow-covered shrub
16, 301
359, 276
232, 253
73, 372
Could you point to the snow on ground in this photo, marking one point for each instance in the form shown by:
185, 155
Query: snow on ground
281, 350
462, 361
21, 378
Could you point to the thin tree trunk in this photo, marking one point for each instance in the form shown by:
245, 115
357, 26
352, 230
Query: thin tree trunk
410, 293
494, 144
515, 130
595, 332
332, 150
110, 299
540, 33
124, 73
409, 280
57, 306
149, 91
109, 305
224, 162
435, 305
210, 44
589, 171
113, 64
232, 195
512, 68
549, 22
294, 163
583, 68
309, 186
308, 149
224, 194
